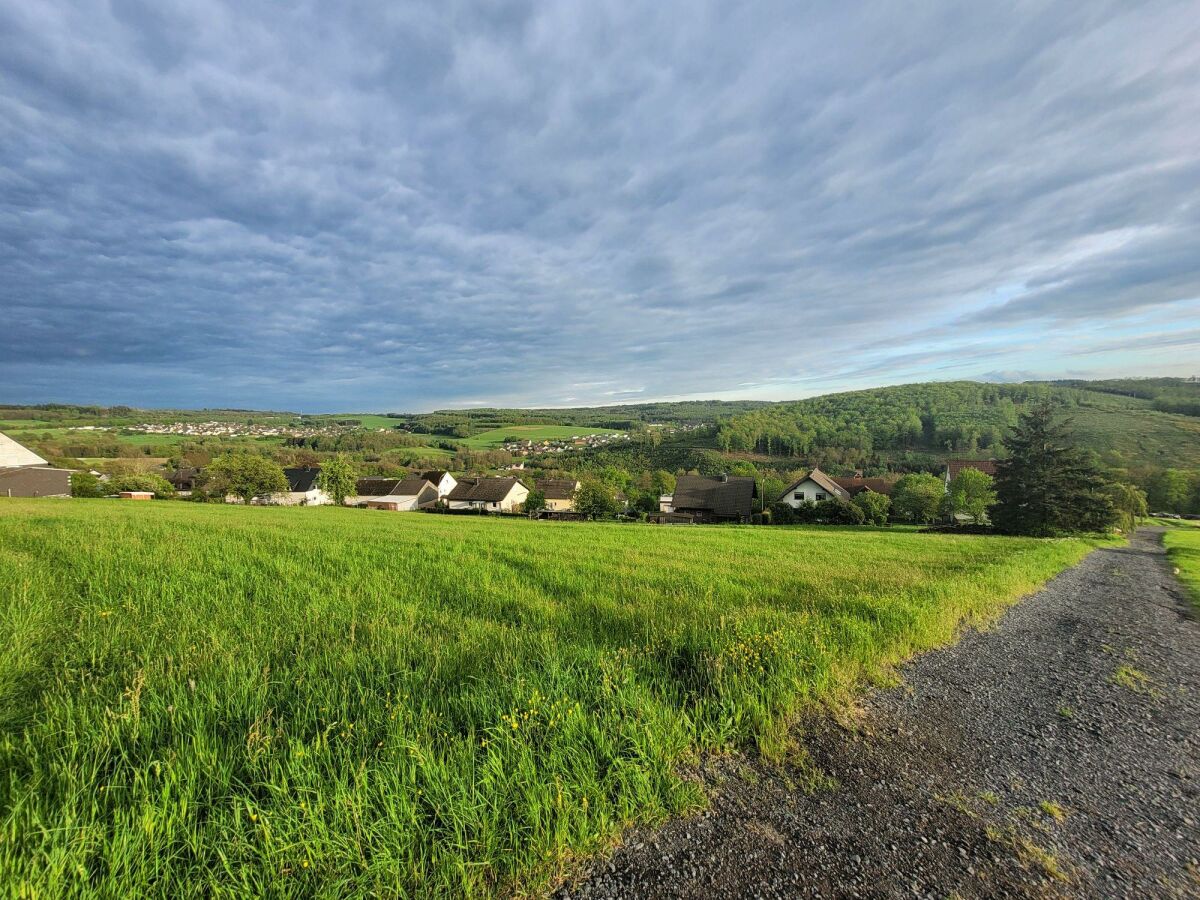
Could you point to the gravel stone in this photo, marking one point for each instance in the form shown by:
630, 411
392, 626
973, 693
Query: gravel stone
1056, 755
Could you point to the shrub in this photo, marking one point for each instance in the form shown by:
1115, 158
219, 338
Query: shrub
85, 484
155, 484
874, 506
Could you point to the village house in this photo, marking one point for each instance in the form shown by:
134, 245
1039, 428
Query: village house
25, 474
559, 493
817, 486
443, 481
395, 494
727, 498
954, 466
302, 489
488, 494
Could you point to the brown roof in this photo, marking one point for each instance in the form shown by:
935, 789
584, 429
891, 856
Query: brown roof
856, 485
557, 488
954, 466
483, 490
825, 481
732, 496
375, 487
434, 476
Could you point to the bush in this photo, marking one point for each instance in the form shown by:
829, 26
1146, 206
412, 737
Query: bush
85, 484
874, 506
155, 484
838, 512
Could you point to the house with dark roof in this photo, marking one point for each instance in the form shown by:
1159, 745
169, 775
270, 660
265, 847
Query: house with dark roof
399, 494
25, 474
727, 498
303, 489
443, 481
488, 494
559, 493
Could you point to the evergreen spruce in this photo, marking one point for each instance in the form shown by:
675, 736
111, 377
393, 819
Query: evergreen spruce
1047, 486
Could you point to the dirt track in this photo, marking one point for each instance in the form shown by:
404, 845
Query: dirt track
1056, 755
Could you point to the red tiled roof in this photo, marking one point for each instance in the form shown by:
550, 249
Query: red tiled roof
954, 466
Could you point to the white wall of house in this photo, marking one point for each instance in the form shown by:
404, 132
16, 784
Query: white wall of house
515, 497
666, 503
559, 505
446, 485
403, 504
807, 491
315, 497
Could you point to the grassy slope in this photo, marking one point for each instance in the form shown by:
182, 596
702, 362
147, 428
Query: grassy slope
1183, 547
200, 700
496, 436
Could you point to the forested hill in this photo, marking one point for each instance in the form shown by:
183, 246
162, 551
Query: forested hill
1126, 422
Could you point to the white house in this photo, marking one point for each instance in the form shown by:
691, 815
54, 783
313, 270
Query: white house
302, 489
397, 495
813, 488
443, 481
490, 494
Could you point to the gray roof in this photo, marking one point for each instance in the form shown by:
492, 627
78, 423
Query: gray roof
823, 480
557, 488
302, 480
483, 490
731, 497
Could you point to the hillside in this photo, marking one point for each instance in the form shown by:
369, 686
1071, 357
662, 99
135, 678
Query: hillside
922, 423
208, 700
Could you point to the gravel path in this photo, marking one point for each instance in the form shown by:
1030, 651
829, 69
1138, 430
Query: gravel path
1056, 755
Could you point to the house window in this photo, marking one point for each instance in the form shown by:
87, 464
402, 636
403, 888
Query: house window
822, 497
799, 495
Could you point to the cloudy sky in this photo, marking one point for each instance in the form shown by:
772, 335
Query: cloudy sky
402, 206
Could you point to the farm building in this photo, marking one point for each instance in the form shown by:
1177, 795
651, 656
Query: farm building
727, 498
396, 494
443, 481
25, 474
559, 493
302, 489
184, 480
490, 494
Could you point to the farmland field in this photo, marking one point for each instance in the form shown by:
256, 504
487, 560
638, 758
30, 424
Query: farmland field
497, 436
220, 701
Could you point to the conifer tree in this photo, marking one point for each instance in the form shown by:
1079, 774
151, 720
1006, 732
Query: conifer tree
1047, 486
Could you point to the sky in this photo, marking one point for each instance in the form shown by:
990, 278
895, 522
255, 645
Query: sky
381, 206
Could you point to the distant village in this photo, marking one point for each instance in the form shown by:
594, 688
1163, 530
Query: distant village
563, 445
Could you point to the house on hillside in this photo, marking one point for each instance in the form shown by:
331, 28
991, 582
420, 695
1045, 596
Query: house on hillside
727, 498
395, 494
954, 466
443, 481
184, 480
25, 474
488, 494
559, 493
302, 489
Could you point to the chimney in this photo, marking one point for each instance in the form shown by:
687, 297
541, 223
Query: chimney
858, 473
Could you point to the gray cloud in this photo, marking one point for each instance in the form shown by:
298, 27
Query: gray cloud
408, 205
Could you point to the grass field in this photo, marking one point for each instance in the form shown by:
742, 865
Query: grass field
496, 436
1183, 548
202, 701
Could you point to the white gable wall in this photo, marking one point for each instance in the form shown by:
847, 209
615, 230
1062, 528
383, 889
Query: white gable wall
810, 492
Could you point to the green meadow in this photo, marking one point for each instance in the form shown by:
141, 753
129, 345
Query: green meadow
497, 436
1183, 548
214, 701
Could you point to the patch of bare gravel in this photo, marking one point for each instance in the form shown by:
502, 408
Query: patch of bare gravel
1055, 755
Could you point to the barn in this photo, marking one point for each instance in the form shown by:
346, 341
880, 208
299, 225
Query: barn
25, 474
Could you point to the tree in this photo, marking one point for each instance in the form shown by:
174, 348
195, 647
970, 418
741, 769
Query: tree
85, 484
594, 499
338, 478
662, 482
918, 498
1129, 503
155, 484
1047, 486
1168, 491
875, 506
247, 476
839, 512
535, 501
972, 493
